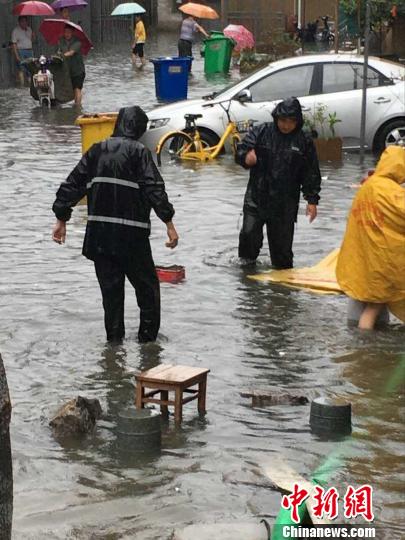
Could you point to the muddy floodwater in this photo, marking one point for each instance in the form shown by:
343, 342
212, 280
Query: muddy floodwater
248, 334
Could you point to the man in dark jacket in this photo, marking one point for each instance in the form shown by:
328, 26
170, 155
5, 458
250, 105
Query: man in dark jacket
122, 185
282, 161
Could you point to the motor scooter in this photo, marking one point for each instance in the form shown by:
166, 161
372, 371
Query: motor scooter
326, 36
43, 83
50, 80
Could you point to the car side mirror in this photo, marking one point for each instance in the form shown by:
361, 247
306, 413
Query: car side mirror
244, 96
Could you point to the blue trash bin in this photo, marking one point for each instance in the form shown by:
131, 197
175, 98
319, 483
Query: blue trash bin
171, 77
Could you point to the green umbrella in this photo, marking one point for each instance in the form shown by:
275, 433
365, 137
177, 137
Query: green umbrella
130, 8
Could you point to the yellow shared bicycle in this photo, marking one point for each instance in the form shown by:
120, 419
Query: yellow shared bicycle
190, 145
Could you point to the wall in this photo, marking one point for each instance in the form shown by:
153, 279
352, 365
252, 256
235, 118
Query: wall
398, 37
7, 23
169, 19
260, 16
169, 16
315, 9
108, 29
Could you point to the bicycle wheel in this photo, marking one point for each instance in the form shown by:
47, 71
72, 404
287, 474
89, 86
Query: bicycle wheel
172, 146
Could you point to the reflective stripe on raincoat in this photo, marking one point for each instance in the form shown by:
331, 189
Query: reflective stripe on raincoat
371, 264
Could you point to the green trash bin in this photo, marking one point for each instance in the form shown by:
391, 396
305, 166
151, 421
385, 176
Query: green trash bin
218, 53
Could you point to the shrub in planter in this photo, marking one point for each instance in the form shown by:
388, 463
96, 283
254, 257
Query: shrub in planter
251, 61
329, 149
322, 126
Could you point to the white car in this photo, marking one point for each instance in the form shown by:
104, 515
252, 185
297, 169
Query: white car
333, 80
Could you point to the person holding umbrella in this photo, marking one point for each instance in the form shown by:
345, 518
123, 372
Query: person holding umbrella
64, 7
64, 13
189, 27
139, 41
21, 38
132, 8
70, 47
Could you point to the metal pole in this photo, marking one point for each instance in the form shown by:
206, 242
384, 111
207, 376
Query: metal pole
365, 72
337, 27
299, 13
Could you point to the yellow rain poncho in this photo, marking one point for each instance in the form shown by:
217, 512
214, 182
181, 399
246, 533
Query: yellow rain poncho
371, 263
320, 278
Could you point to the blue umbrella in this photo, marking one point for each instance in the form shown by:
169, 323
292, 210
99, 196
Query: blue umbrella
130, 8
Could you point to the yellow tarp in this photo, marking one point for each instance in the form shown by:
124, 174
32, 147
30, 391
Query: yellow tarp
320, 278
371, 263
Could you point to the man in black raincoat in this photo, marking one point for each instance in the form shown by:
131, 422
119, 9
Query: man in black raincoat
122, 185
282, 161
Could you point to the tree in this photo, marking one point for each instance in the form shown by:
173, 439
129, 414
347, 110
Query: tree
382, 11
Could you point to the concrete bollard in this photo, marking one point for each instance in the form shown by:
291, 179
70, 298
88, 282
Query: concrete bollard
6, 469
331, 417
139, 430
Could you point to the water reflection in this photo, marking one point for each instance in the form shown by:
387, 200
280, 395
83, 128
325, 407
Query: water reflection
378, 401
248, 334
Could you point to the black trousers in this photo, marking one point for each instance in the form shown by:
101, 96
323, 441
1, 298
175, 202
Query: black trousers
140, 271
280, 235
185, 47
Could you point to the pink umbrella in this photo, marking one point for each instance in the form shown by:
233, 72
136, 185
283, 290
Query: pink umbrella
33, 8
53, 29
243, 37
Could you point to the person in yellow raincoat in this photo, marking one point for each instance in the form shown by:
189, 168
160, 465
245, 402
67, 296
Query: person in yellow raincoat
371, 263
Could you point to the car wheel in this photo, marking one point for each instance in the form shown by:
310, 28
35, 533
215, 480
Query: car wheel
392, 133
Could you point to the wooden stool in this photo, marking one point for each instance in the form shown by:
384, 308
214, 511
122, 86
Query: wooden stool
168, 378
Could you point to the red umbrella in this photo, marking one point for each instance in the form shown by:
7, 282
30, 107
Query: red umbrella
33, 8
52, 30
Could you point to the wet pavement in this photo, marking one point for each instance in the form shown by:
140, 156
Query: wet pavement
250, 335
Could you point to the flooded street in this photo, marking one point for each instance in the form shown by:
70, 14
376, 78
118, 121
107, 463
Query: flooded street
248, 334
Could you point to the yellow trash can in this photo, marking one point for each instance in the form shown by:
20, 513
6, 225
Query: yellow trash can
95, 128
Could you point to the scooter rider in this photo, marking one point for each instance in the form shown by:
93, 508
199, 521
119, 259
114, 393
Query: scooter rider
282, 161
122, 185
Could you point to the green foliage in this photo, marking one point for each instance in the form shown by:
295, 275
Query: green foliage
332, 120
273, 46
320, 120
278, 44
380, 9
350, 6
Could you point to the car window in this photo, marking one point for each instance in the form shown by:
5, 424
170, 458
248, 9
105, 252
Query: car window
346, 77
283, 84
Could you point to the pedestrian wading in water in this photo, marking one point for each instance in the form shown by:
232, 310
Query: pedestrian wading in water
371, 263
139, 42
122, 185
189, 27
70, 47
282, 161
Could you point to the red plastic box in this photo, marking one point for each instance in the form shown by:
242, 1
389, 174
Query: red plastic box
171, 274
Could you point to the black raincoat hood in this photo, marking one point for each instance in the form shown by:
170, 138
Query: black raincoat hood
289, 108
131, 123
